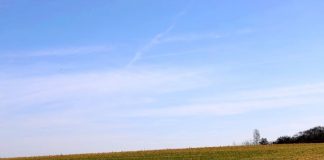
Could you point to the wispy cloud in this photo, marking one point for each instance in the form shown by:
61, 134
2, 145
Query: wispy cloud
48, 105
156, 39
159, 40
59, 52
46, 89
183, 52
191, 37
246, 102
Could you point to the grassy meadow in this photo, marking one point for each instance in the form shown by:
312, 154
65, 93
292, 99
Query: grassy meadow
273, 152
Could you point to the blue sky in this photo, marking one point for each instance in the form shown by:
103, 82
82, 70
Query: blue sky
97, 76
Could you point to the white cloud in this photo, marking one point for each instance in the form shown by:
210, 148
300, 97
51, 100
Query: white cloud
287, 91
247, 101
77, 109
38, 90
59, 52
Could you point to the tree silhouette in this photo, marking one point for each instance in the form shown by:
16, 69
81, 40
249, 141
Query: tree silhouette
256, 137
313, 135
264, 141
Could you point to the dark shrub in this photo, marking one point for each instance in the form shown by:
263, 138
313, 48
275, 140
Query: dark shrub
264, 141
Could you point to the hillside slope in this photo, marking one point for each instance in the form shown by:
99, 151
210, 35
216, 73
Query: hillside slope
273, 152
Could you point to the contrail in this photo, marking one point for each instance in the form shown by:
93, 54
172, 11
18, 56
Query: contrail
154, 41
157, 38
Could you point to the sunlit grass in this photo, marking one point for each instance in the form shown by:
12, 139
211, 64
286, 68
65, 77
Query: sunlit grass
273, 152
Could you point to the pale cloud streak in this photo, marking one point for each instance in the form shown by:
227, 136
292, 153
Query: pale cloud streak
191, 37
156, 39
246, 101
59, 51
39, 90
161, 38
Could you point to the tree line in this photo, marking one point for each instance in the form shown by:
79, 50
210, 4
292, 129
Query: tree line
313, 135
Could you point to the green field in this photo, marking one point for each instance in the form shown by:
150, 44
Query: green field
273, 152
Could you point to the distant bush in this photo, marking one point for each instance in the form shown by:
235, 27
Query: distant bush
264, 141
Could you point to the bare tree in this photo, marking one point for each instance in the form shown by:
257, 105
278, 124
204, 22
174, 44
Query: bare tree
256, 137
